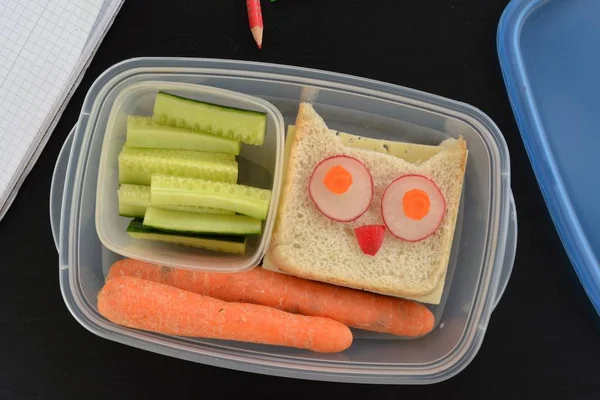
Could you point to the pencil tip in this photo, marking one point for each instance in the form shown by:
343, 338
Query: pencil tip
257, 33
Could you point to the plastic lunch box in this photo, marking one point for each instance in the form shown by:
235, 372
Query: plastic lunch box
482, 255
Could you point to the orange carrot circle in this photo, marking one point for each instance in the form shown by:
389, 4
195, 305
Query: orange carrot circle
416, 204
338, 180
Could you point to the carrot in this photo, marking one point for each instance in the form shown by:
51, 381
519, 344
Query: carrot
152, 306
338, 180
351, 307
416, 204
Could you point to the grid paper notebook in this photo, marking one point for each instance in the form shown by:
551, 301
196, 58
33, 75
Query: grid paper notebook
45, 46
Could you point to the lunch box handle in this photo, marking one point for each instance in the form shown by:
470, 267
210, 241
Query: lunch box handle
510, 250
58, 185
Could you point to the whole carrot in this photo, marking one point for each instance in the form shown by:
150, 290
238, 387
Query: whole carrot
351, 307
152, 306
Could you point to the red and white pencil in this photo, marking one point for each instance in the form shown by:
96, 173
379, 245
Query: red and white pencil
256, 21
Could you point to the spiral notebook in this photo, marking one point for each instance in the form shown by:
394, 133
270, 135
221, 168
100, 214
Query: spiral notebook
45, 48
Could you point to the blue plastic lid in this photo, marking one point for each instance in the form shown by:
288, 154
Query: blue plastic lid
549, 51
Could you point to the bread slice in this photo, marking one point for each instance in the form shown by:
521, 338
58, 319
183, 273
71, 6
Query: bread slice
307, 244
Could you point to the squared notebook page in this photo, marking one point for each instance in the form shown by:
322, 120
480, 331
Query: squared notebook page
41, 43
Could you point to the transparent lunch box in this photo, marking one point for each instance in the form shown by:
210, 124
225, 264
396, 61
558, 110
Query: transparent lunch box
482, 255
259, 166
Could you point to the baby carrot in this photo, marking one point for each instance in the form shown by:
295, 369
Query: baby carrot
152, 306
351, 307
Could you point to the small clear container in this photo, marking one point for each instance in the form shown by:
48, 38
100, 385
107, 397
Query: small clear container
482, 254
259, 166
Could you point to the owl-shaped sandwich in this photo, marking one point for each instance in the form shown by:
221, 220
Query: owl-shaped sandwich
366, 219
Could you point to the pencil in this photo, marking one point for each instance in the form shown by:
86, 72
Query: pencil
255, 19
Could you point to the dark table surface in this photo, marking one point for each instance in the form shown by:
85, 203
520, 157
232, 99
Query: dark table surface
543, 339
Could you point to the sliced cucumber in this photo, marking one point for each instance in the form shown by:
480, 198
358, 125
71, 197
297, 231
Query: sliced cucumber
134, 199
168, 190
226, 244
137, 165
131, 211
182, 221
242, 125
144, 132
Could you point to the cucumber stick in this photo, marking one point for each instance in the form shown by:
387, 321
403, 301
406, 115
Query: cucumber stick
182, 221
233, 123
137, 165
144, 132
135, 199
168, 190
226, 244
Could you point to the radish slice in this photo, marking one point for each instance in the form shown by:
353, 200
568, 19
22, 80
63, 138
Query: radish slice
413, 207
341, 188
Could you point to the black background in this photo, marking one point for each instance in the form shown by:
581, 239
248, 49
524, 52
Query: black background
543, 339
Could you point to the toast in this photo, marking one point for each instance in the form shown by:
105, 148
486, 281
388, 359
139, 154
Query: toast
307, 244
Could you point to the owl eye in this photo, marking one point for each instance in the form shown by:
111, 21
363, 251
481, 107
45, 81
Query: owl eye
341, 187
413, 207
